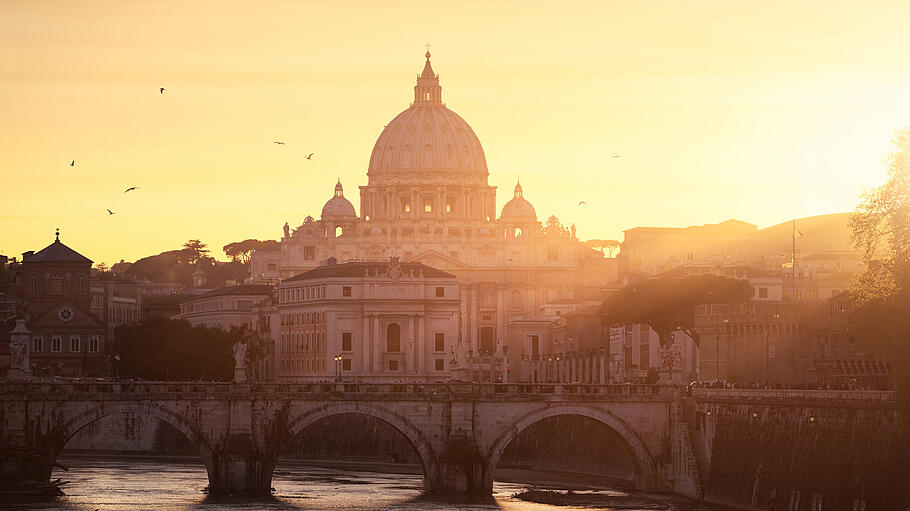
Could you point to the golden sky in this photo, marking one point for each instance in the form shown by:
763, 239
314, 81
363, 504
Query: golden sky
760, 111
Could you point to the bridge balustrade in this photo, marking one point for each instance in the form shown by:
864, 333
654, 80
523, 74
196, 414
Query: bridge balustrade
355, 390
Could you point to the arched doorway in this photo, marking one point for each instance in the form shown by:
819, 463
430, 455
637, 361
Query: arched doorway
634, 454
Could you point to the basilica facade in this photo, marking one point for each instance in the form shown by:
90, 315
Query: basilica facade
427, 200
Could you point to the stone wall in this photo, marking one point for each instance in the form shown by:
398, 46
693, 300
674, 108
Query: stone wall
802, 450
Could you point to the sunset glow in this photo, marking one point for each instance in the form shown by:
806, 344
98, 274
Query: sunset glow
756, 111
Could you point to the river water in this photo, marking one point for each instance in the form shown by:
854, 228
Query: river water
174, 484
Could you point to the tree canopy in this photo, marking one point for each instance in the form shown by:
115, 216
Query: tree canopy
179, 265
168, 349
242, 251
610, 245
668, 304
881, 231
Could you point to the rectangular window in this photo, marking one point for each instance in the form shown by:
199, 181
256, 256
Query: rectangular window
94, 344
309, 253
346, 364
56, 343
440, 292
75, 344
37, 344
810, 294
762, 292
552, 253
428, 205
797, 295
271, 267
440, 364
34, 285
346, 343
406, 205
440, 344
393, 365
345, 290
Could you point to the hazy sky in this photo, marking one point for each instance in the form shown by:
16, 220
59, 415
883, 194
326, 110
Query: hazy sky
760, 111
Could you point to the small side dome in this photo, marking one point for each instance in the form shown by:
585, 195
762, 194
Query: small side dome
338, 206
518, 208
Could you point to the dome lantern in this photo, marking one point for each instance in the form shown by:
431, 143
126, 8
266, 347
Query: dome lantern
427, 91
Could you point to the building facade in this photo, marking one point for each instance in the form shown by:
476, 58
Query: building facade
67, 337
394, 322
228, 307
427, 200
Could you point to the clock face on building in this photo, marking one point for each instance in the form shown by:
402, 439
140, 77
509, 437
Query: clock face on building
65, 314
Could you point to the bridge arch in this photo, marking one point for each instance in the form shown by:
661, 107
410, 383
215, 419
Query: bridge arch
645, 469
413, 434
108, 409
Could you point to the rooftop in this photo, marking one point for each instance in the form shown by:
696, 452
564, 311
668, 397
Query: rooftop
358, 269
244, 289
56, 252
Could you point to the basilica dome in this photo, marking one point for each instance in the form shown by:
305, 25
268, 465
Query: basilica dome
338, 206
427, 136
518, 208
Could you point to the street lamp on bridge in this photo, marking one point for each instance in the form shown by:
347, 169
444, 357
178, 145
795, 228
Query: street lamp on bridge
338, 361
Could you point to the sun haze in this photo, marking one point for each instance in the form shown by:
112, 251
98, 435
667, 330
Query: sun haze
758, 111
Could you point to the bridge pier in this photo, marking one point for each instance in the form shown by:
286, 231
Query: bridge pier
241, 472
460, 469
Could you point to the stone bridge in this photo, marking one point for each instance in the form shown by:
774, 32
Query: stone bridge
757, 449
458, 430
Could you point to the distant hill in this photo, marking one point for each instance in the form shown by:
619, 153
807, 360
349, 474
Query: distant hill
170, 266
822, 233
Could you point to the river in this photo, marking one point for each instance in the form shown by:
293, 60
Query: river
149, 483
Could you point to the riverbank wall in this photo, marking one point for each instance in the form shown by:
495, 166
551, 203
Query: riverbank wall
806, 450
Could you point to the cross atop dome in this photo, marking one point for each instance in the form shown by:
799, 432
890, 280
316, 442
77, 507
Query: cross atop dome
427, 91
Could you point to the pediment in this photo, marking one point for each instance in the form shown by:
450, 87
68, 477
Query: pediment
438, 260
52, 318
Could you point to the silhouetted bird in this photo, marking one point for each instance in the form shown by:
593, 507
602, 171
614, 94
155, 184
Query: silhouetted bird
131, 189
617, 156
161, 90
582, 202
109, 212
309, 156
73, 163
279, 142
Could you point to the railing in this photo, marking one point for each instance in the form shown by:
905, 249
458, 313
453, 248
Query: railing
192, 390
883, 396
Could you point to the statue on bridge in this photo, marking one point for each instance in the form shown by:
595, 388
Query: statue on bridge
19, 360
240, 362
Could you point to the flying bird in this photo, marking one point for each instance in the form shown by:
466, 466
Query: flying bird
617, 156
131, 189
279, 142
580, 203
109, 212
309, 156
73, 163
161, 90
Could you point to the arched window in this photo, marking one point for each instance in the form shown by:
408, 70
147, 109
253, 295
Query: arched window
393, 338
517, 232
516, 299
338, 231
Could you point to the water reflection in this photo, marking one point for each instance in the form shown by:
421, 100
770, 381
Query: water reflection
177, 484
